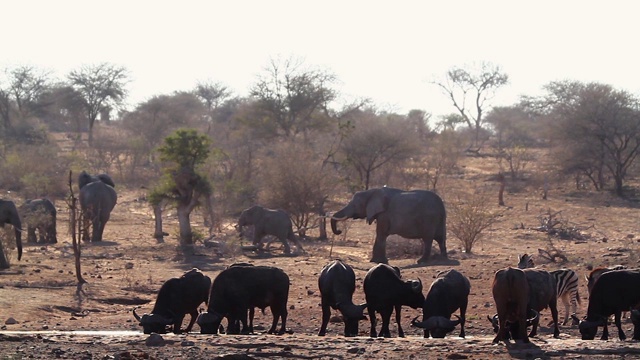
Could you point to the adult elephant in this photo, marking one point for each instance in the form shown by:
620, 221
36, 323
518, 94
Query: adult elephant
97, 199
40, 214
269, 222
9, 215
415, 214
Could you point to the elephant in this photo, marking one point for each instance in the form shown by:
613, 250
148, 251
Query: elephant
415, 214
40, 214
269, 222
97, 199
9, 215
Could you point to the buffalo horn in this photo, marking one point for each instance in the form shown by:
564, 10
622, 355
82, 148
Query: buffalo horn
535, 317
416, 285
415, 322
136, 315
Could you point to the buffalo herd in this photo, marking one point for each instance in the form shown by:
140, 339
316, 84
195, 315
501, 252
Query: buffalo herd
519, 294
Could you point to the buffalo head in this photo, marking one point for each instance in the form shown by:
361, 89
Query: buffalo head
153, 323
209, 322
589, 328
351, 315
438, 326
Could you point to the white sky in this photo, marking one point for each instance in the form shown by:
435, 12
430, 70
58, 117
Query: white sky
384, 50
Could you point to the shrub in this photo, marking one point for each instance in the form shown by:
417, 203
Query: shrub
469, 217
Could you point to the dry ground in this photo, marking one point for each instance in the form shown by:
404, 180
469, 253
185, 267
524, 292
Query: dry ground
39, 292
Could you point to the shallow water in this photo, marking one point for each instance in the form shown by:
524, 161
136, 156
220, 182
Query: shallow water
75, 332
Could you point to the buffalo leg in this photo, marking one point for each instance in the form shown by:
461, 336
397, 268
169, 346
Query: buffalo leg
534, 327
194, 315
372, 320
398, 320
617, 317
326, 314
605, 331
554, 315
385, 314
463, 318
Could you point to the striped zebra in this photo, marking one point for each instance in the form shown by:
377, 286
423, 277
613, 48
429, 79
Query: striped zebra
566, 285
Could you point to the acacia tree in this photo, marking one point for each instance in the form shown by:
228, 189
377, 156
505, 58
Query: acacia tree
21, 96
599, 128
376, 141
181, 184
470, 90
291, 99
102, 87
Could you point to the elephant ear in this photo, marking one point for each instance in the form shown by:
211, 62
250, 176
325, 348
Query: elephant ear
377, 203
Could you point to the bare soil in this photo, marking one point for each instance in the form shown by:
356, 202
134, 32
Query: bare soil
52, 320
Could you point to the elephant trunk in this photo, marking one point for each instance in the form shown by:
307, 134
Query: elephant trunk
334, 226
338, 216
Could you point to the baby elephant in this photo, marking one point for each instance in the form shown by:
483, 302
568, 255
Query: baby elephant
40, 214
267, 221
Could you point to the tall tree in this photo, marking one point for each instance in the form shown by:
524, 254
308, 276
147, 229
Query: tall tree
470, 90
212, 95
378, 140
21, 96
102, 86
183, 151
599, 128
291, 98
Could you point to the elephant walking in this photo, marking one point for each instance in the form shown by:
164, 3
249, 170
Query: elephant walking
97, 199
415, 214
40, 214
269, 222
9, 215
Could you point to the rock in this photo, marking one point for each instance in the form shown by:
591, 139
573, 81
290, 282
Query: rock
128, 265
154, 340
187, 343
11, 321
355, 350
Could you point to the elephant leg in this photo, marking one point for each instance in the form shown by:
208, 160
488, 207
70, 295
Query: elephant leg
98, 229
41, 234
379, 249
287, 247
51, 234
292, 237
426, 250
31, 234
86, 223
443, 247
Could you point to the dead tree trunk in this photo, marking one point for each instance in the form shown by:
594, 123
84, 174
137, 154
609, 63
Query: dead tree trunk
157, 214
501, 192
76, 228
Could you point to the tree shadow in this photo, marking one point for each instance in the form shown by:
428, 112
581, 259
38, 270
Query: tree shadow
102, 243
434, 261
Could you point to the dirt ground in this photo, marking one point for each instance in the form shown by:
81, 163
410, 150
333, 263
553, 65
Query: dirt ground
42, 317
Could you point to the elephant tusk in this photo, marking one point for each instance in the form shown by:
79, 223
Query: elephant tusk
339, 219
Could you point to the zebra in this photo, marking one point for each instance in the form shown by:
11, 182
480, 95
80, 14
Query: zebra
566, 285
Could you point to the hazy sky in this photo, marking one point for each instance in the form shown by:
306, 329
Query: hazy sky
384, 50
